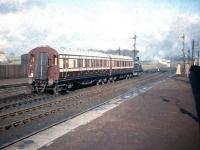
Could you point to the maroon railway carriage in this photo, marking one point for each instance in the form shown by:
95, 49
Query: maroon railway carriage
60, 70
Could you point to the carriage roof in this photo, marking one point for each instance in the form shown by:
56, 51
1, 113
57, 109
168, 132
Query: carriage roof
90, 53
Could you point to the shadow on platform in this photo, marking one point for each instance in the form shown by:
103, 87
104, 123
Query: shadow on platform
182, 79
182, 110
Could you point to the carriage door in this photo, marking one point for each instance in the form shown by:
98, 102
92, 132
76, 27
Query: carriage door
42, 66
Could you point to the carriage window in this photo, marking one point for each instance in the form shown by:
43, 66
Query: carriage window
70, 63
55, 60
83, 61
97, 63
75, 63
32, 58
65, 63
101, 64
61, 63
80, 63
90, 63
87, 64
104, 63
93, 62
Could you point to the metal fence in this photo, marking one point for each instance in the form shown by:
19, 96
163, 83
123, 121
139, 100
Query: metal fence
13, 71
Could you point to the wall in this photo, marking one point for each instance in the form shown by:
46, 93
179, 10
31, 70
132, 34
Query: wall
13, 71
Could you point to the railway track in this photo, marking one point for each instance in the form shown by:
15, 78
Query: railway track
23, 101
23, 113
27, 99
15, 114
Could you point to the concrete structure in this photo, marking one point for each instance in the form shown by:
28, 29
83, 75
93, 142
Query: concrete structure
178, 69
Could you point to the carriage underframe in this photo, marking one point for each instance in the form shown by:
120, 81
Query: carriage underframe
70, 80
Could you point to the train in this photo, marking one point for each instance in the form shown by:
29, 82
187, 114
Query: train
57, 70
137, 69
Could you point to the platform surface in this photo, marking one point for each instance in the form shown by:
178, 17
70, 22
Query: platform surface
163, 118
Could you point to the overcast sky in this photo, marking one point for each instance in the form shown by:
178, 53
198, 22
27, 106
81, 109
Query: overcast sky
99, 24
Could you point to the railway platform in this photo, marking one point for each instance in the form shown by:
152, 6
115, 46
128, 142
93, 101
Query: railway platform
162, 118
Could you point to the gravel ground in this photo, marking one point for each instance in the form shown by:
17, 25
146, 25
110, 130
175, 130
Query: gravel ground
163, 118
7, 82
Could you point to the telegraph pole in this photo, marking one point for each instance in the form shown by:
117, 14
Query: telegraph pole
188, 55
134, 42
119, 51
134, 45
192, 52
183, 50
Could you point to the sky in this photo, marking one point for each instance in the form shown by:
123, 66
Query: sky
99, 24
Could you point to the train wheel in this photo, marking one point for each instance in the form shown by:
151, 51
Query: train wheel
39, 91
110, 80
104, 81
99, 82
128, 77
55, 90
